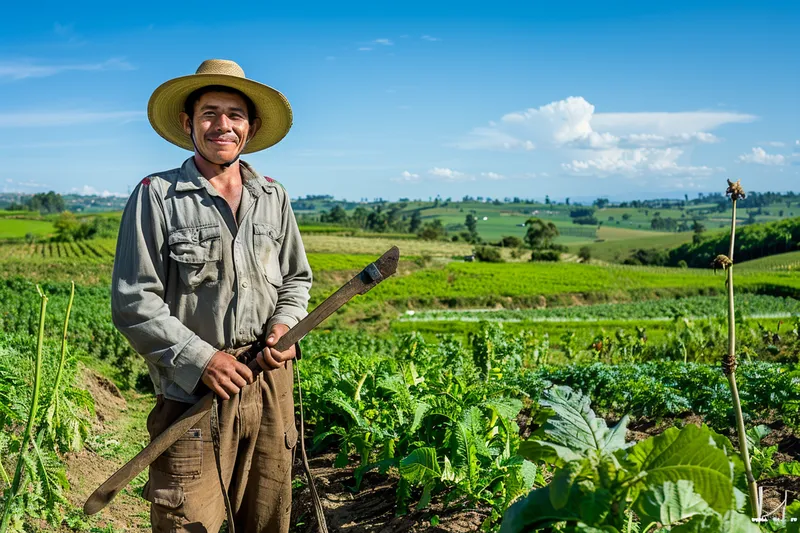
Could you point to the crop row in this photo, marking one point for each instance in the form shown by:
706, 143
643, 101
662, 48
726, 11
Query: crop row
750, 305
532, 284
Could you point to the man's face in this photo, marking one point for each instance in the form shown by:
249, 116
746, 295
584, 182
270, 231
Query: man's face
221, 126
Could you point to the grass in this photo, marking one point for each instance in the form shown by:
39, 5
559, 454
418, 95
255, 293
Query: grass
788, 261
15, 228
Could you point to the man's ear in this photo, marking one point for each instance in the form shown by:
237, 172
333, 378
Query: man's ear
254, 127
186, 122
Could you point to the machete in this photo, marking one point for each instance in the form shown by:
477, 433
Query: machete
373, 274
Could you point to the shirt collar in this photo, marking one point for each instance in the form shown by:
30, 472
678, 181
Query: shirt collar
191, 179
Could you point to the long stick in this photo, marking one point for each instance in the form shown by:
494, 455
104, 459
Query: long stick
730, 369
26, 438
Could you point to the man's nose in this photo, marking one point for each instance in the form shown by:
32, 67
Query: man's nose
223, 122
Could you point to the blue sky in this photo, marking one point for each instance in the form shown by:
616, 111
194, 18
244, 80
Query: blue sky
418, 99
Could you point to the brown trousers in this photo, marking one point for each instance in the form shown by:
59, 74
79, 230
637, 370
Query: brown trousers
257, 439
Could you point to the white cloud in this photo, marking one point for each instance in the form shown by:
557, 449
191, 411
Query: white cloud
64, 118
407, 177
88, 190
605, 143
364, 49
448, 174
493, 139
385, 42
636, 162
652, 140
494, 176
20, 70
775, 144
666, 123
759, 156
429, 38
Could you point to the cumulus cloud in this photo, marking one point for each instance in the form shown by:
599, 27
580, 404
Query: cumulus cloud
364, 49
759, 156
385, 42
88, 190
604, 143
494, 176
407, 177
573, 123
636, 162
448, 174
429, 38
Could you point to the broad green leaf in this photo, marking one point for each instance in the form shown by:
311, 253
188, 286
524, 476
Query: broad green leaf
506, 407
420, 466
669, 503
594, 504
793, 517
687, 454
425, 499
730, 522
789, 469
419, 413
574, 425
563, 483
534, 512
529, 471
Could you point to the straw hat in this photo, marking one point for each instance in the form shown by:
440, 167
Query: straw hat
167, 101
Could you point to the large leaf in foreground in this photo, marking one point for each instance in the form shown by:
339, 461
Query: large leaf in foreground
688, 454
574, 424
669, 503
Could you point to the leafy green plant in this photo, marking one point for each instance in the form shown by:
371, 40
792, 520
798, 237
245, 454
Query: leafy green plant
688, 478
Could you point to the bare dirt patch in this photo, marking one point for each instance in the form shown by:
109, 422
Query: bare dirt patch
373, 508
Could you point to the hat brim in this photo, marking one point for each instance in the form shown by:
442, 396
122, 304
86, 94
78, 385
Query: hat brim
167, 101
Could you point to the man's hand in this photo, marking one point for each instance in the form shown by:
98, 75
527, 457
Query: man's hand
226, 376
270, 358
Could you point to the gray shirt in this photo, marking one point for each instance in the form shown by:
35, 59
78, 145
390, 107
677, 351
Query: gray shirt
191, 278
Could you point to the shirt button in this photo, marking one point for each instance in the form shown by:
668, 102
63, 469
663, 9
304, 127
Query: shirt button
244, 284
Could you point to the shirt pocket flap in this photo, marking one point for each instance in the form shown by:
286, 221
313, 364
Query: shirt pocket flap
195, 245
260, 228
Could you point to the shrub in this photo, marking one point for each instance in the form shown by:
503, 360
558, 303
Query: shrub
545, 255
488, 254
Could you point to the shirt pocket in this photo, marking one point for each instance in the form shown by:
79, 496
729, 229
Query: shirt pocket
267, 242
198, 252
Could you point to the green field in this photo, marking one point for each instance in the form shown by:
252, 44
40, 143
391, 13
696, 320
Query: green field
16, 228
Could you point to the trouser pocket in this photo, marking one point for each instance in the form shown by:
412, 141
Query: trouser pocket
184, 459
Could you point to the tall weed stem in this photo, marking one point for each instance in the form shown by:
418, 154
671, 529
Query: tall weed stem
26, 438
729, 365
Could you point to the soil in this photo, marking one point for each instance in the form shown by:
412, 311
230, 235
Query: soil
373, 508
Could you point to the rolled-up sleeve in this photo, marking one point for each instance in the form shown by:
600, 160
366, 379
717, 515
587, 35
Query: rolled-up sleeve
294, 293
138, 308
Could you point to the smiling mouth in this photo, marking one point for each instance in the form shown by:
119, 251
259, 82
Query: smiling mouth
223, 141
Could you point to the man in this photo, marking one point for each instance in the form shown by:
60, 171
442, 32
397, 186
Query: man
209, 258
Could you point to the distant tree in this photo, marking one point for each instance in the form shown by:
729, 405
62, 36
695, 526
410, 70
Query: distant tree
432, 231
472, 226
626, 216
67, 227
547, 199
585, 253
510, 241
567, 201
601, 203
540, 234
415, 223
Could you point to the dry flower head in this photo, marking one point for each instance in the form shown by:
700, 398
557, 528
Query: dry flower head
735, 190
721, 262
